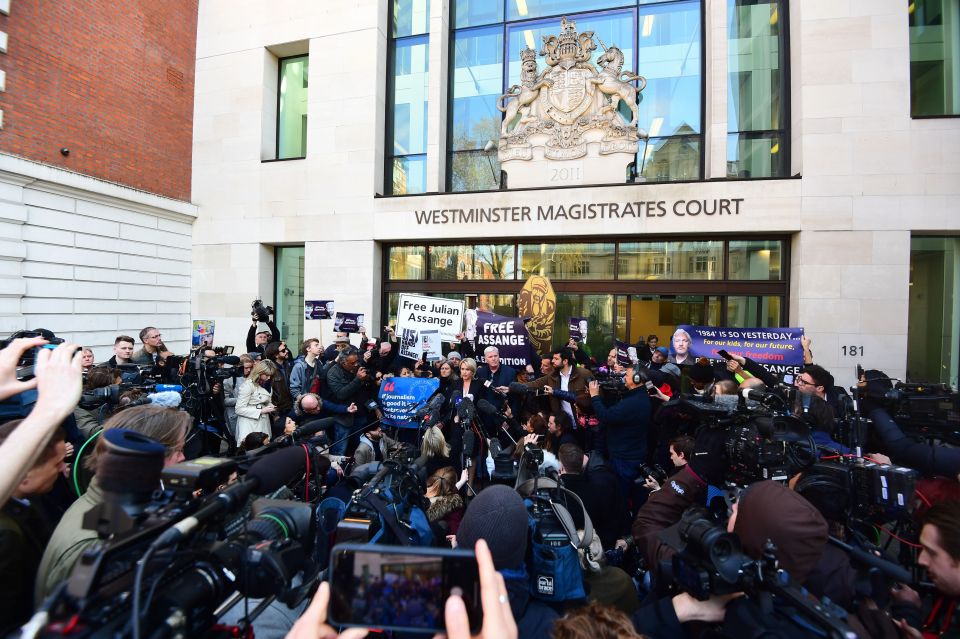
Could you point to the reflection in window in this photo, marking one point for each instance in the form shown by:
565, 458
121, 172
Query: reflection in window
754, 260
407, 263
407, 109
468, 262
472, 13
292, 119
749, 311
934, 57
668, 159
756, 95
410, 17
477, 82
671, 260
933, 350
567, 261
598, 309
670, 57
408, 174
289, 288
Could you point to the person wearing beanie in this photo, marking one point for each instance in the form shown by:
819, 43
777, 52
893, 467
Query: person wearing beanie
374, 446
498, 516
701, 376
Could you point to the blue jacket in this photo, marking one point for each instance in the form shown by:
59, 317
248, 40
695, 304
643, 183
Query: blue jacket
626, 424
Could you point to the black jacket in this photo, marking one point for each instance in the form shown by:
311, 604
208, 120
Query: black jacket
252, 337
626, 424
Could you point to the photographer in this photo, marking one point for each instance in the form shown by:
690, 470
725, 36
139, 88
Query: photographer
310, 408
261, 333
625, 424
345, 385
927, 458
71, 539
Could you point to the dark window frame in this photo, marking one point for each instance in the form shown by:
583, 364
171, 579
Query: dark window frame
721, 289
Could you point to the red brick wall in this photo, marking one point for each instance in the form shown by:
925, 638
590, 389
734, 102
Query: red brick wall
111, 80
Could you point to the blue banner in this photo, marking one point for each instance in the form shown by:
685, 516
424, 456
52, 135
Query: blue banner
400, 397
776, 349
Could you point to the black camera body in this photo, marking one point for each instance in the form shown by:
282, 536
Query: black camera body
260, 312
29, 358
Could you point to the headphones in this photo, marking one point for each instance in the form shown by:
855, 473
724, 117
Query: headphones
636, 377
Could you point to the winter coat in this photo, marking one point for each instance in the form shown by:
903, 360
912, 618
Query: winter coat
250, 399
447, 510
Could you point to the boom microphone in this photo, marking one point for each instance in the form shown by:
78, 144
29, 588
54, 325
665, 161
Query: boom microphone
487, 408
230, 360
466, 411
435, 404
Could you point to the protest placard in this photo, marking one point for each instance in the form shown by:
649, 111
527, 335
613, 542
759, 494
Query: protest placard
509, 335
422, 313
348, 322
578, 328
318, 309
430, 344
400, 397
776, 349
203, 331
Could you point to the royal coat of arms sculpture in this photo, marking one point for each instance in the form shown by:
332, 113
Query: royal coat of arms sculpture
568, 111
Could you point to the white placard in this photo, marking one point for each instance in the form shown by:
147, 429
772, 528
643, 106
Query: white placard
421, 313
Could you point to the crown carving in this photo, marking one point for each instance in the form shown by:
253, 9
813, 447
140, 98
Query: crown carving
567, 44
527, 54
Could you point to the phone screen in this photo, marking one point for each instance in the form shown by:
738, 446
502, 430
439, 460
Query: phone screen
401, 588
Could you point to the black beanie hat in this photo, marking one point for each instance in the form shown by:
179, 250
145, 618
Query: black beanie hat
498, 516
700, 373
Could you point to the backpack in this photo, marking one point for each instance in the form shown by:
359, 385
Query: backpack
559, 552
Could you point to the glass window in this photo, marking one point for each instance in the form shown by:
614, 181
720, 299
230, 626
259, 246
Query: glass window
933, 350
407, 117
408, 174
292, 113
407, 263
753, 155
934, 57
472, 13
671, 260
289, 290
757, 89
612, 28
410, 97
410, 17
667, 159
669, 53
598, 309
524, 9
474, 171
567, 261
750, 311
467, 262
754, 260
620, 331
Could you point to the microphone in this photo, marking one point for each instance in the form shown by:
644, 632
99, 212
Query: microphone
487, 408
434, 404
489, 384
266, 475
166, 399
466, 411
519, 388
469, 445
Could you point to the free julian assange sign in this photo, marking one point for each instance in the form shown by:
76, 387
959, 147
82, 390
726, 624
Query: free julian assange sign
581, 211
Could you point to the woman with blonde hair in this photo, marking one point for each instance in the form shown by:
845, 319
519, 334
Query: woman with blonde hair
253, 407
446, 505
434, 451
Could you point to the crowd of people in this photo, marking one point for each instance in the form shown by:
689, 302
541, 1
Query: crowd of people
600, 428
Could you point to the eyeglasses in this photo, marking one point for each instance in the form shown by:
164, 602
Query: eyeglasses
153, 336
802, 382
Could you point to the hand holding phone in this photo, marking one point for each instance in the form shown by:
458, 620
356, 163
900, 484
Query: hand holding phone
724, 354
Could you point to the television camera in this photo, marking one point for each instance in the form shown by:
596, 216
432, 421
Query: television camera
174, 562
